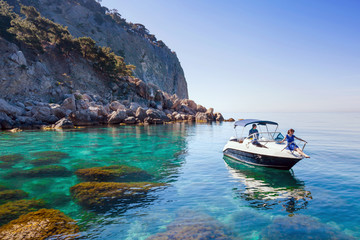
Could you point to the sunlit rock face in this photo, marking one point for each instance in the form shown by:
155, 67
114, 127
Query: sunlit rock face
155, 62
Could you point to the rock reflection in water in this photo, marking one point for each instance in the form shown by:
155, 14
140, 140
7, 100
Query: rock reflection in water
267, 188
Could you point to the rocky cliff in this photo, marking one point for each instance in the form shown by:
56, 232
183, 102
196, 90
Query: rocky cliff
50, 78
155, 62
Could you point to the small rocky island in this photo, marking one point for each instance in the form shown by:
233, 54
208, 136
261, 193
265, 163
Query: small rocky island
54, 76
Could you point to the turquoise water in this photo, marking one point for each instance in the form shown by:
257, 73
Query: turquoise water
318, 198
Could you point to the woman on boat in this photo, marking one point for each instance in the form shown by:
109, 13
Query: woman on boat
290, 138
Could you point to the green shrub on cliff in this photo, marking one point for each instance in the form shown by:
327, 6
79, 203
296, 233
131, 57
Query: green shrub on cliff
6, 15
38, 33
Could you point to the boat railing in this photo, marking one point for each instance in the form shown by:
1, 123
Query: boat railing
266, 136
273, 137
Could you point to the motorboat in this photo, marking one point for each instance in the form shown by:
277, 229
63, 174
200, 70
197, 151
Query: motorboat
262, 148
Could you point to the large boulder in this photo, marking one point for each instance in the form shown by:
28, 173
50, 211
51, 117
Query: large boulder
9, 109
201, 117
218, 117
115, 106
43, 113
42, 224
63, 123
134, 106
210, 113
5, 121
83, 118
176, 103
200, 108
130, 120
190, 103
69, 104
19, 58
57, 110
142, 88
117, 117
140, 114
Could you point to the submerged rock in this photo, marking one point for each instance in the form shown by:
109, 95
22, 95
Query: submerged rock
104, 194
301, 227
53, 154
113, 173
8, 161
48, 157
193, 226
12, 210
15, 158
41, 224
11, 195
44, 171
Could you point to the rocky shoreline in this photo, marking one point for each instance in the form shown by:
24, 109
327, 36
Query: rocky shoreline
82, 109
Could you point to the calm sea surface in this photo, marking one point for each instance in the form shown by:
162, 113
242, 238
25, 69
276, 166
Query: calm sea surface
318, 199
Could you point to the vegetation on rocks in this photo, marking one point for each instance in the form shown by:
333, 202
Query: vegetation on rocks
11, 195
104, 194
8, 161
12, 210
113, 174
43, 171
48, 157
39, 33
40, 225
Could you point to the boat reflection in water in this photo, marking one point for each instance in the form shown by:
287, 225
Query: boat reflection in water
269, 188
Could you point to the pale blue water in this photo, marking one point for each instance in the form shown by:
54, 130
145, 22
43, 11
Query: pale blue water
318, 197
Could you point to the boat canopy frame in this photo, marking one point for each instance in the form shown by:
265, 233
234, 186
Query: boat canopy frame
245, 122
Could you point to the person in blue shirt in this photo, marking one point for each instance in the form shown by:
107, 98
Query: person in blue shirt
254, 131
290, 138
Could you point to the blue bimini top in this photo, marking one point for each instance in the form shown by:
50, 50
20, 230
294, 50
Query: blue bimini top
246, 122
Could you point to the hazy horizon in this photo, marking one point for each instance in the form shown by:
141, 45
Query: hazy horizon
247, 56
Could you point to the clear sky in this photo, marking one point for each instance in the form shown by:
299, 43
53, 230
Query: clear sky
260, 55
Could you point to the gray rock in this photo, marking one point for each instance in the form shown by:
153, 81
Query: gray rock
218, 117
200, 108
83, 118
117, 117
63, 123
115, 105
5, 121
140, 114
18, 58
134, 106
201, 117
69, 104
20, 104
130, 120
9, 109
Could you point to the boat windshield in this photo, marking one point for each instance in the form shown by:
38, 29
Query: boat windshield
266, 131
